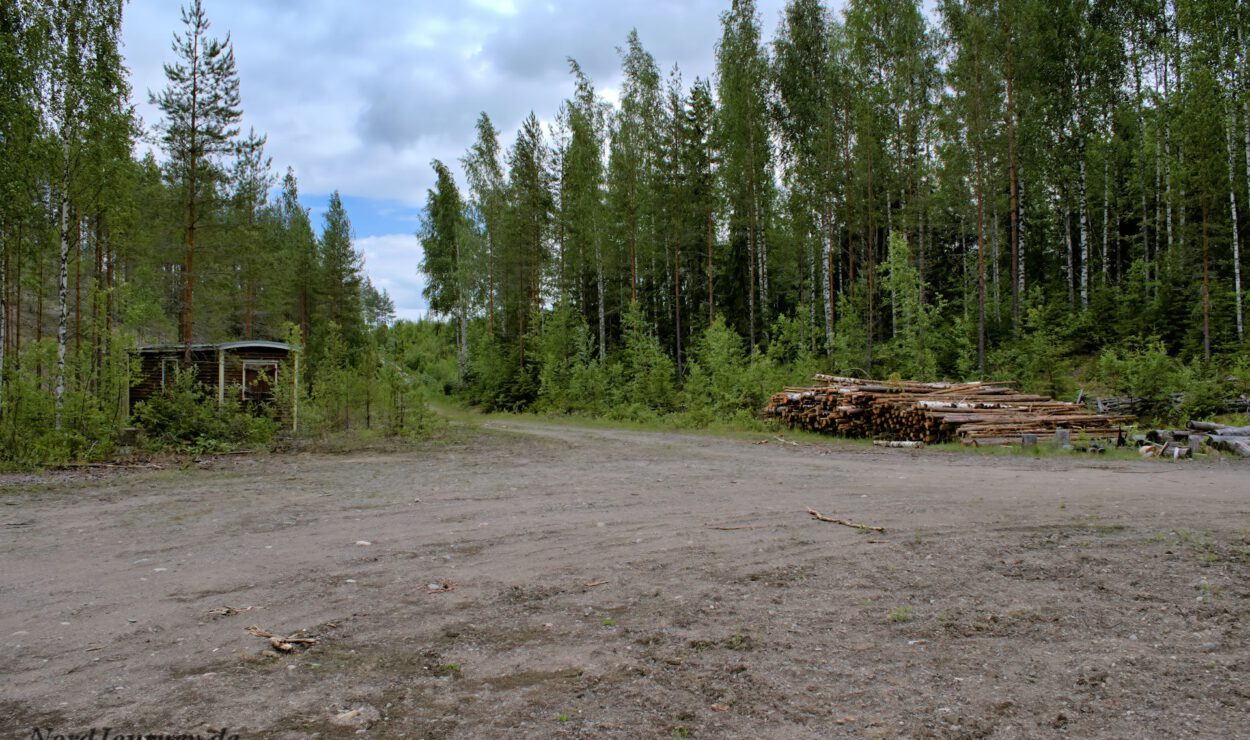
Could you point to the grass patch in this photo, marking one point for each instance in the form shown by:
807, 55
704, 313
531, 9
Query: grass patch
901, 614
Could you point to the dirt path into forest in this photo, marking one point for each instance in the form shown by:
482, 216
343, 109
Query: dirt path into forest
599, 583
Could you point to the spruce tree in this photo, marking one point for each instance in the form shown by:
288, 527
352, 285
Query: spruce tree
341, 267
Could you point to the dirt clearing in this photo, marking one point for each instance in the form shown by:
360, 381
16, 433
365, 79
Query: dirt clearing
539, 580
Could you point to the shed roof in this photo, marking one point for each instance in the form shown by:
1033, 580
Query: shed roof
243, 344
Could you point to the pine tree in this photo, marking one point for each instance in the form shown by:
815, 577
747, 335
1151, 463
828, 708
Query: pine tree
201, 109
251, 178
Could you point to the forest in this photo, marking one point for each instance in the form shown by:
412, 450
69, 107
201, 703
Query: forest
1047, 192
1053, 193
102, 251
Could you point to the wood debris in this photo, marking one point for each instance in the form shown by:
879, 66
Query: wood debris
1235, 440
976, 414
228, 611
281, 644
592, 584
844, 522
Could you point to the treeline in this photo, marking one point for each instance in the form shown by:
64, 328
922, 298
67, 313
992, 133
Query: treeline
101, 251
1003, 189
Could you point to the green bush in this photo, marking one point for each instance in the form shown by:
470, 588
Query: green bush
185, 415
91, 409
650, 379
1145, 372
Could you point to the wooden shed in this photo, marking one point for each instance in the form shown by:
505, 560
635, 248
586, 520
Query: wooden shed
249, 368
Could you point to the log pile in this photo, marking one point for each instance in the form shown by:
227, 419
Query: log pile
1138, 406
973, 413
1235, 440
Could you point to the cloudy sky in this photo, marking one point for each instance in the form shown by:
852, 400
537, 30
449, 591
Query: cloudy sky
359, 97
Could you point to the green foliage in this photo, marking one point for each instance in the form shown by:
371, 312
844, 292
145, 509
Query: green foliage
186, 415
568, 378
849, 353
909, 352
1145, 372
649, 386
1037, 358
714, 387
91, 414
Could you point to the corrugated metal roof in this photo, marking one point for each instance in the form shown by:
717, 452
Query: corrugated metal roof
200, 347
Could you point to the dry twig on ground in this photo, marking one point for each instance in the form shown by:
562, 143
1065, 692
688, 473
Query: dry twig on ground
844, 522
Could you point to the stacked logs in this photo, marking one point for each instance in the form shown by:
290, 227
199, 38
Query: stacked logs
1223, 437
974, 413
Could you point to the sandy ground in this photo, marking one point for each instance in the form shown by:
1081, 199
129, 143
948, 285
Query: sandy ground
532, 580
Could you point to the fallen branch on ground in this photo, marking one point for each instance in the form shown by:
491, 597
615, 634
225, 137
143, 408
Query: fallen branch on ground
283, 644
844, 522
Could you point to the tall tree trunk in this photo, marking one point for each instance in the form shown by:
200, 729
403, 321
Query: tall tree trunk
1014, 195
1232, 204
1071, 272
97, 307
633, 257
1084, 230
490, 282
980, 189
826, 244
870, 248
751, 287
62, 325
1206, 286
710, 237
761, 250
995, 261
78, 244
1106, 213
677, 303
1021, 233
1245, 86
188, 269
1158, 192
603, 324
1167, 148
1142, 174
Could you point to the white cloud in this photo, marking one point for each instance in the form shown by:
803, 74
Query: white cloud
359, 97
391, 261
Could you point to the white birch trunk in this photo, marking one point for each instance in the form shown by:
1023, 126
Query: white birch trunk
1067, 229
1106, 214
62, 324
1020, 231
1084, 233
826, 257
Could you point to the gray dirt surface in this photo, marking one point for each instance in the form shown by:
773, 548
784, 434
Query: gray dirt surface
539, 580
